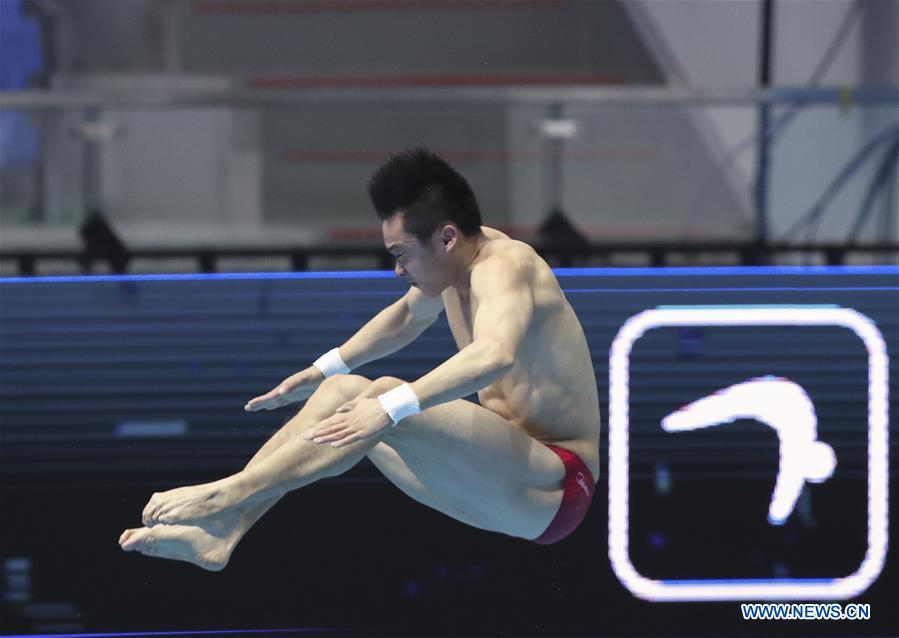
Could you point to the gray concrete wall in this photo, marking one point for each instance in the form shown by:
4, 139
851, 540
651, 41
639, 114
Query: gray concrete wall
314, 162
353, 39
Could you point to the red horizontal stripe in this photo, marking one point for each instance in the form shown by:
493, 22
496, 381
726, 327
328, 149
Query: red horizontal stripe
618, 230
230, 7
373, 233
445, 79
374, 156
369, 234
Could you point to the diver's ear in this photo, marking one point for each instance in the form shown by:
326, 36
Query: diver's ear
449, 236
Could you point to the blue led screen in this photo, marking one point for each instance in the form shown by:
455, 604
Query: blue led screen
146, 377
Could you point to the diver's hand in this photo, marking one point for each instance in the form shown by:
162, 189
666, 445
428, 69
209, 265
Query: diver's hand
354, 421
295, 388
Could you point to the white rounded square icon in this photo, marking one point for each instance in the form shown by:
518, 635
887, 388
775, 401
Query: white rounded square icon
619, 468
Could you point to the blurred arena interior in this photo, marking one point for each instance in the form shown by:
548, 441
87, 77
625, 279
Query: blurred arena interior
225, 135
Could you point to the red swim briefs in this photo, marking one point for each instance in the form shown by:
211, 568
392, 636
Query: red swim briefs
578, 492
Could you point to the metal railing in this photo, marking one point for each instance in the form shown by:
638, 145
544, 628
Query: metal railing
649, 254
554, 129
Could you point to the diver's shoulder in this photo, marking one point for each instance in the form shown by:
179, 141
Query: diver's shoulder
493, 233
502, 245
507, 255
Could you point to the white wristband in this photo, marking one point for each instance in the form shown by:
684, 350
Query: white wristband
330, 363
400, 403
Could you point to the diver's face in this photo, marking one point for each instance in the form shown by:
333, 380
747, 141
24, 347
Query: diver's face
421, 266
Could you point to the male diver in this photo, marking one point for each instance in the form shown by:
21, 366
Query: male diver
523, 463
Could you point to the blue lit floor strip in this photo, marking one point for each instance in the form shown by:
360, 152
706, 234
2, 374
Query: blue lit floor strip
715, 271
346, 274
805, 289
178, 633
561, 272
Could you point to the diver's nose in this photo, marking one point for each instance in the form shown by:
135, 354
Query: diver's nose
399, 271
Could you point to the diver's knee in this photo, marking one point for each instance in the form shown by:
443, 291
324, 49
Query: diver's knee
385, 384
345, 384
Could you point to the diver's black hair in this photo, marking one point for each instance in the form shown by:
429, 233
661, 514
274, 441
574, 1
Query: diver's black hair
427, 190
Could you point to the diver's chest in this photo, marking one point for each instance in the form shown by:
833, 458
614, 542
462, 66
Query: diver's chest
460, 314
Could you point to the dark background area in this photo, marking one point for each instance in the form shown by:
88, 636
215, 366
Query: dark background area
80, 358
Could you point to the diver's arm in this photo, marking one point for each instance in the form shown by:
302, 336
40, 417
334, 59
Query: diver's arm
392, 329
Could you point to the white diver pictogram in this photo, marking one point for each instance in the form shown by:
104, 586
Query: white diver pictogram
784, 406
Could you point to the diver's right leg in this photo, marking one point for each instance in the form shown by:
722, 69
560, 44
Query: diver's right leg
211, 547
330, 395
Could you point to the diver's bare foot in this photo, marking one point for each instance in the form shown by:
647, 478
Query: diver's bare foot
179, 542
206, 506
